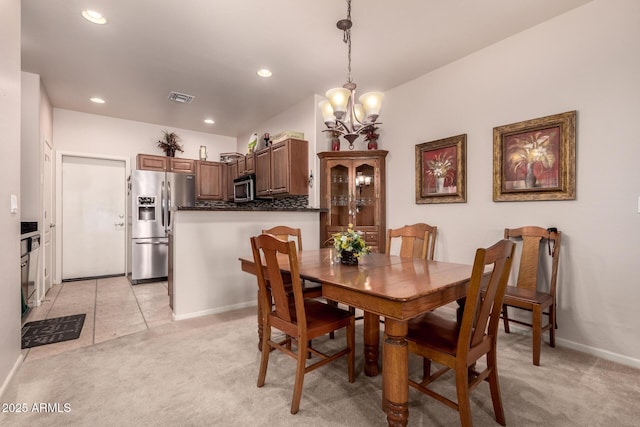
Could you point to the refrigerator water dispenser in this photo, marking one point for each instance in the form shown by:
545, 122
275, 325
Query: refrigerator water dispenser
146, 208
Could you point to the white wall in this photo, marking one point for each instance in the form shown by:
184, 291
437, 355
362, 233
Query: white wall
585, 60
30, 148
10, 176
93, 134
205, 283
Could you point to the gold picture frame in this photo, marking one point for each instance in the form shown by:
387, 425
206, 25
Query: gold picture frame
440, 170
535, 159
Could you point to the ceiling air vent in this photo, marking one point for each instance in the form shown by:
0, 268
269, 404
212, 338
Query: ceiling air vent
181, 97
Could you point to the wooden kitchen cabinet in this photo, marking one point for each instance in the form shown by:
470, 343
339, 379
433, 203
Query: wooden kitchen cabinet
246, 165
352, 189
209, 180
232, 173
152, 162
179, 165
282, 169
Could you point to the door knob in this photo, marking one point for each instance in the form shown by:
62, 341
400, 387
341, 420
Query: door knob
121, 224
51, 225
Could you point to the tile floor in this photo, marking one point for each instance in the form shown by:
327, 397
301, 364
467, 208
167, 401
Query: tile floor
113, 307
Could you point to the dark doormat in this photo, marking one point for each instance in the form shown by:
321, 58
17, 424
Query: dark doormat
49, 331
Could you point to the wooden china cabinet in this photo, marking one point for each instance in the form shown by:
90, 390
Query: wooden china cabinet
352, 188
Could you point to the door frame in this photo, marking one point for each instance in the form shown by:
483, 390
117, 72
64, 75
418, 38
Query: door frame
58, 203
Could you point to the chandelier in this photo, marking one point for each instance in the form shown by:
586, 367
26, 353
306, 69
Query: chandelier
341, 114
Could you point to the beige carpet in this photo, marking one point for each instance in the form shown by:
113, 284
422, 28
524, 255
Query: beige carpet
203, 373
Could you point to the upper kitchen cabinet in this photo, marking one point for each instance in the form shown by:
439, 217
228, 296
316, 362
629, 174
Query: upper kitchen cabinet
352, 189
231, 169
182, 165
165, 164
150, 162
246, 165
282, 169
210, 182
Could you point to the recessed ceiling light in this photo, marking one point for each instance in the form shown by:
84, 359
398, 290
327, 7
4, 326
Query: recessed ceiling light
93, 16
263, 72
97, 100
209, 121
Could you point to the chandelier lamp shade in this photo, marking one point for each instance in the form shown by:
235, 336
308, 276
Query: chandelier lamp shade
340, 112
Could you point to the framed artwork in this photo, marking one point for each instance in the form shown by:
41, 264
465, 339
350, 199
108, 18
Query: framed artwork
440, 170
535, 159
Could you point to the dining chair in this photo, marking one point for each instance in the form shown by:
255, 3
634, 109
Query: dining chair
535, 290
417, 240
309, 289
301, 321
458, 346
283, 232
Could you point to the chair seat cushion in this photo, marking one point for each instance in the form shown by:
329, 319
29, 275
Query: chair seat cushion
522, 297
432, 330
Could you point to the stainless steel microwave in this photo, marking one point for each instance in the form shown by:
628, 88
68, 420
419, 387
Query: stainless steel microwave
244, 188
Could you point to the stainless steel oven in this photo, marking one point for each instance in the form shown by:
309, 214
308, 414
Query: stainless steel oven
244, 188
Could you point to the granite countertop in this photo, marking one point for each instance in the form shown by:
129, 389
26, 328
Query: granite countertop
249, 209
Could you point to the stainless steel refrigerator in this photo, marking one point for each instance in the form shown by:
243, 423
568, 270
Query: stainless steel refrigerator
152, 199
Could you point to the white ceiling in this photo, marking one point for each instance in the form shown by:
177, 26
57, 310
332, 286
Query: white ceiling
212, 49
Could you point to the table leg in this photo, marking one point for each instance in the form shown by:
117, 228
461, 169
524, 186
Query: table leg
395, 373
371, 343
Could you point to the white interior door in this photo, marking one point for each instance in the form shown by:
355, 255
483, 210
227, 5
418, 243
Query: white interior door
47, 221
93, 217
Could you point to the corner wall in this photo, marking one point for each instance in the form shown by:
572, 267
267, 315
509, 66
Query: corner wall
10, 93
584, 60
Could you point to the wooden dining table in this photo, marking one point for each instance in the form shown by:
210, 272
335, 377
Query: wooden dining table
396, 288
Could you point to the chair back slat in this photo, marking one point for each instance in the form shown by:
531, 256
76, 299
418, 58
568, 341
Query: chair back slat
529, 261
482, 309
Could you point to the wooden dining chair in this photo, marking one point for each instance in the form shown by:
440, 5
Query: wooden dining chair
458, 346
301, 321
531, 292
283, 232
417, 240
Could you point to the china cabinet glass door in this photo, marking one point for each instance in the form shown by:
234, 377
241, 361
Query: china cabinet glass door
364, 196
340, 193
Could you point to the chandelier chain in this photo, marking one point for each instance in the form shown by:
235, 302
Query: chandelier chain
346, 37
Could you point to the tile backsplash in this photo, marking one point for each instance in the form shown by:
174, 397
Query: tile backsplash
277, 203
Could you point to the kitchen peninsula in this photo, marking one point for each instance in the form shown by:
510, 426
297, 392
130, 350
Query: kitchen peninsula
206, 242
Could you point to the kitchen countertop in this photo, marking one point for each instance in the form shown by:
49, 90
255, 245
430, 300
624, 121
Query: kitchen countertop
248, 209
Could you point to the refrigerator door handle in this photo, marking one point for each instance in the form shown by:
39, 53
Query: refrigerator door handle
153, 243
162, 201
169, 204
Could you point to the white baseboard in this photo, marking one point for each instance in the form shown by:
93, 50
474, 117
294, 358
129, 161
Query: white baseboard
598, 352
216, 310
594, 351
12, 372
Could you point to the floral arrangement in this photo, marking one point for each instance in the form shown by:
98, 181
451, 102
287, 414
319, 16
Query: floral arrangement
350, 241
170, 143
526, 151
440, 166
371, 134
